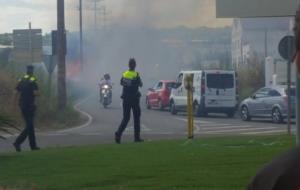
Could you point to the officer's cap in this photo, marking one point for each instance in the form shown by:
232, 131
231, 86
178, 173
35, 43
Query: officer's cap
132, 63
30, 69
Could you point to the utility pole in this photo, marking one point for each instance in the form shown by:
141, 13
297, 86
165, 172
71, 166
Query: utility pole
95, 15
266, 42
297, 44
61, 56
81, 38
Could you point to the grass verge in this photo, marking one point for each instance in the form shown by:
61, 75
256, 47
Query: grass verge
47, 117
223, 163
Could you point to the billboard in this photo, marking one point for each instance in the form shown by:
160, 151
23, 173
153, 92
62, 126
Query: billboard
256, 8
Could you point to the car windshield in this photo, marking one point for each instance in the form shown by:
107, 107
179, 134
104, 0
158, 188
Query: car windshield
220, 81
170, 85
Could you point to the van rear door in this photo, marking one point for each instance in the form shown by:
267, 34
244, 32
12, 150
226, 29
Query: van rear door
220, 89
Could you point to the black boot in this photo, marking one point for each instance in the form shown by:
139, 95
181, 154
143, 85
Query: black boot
35, 148
138, 140
117, 138
17, 147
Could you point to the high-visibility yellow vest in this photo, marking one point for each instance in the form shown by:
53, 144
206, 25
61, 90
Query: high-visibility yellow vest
131, 75
31, 78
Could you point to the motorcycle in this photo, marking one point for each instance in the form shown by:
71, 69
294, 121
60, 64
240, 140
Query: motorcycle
105, 95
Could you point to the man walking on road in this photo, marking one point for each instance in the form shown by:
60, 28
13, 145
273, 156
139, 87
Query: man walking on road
131, 82
27, 90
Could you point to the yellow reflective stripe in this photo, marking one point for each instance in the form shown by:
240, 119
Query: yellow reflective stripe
130, 75
32, 79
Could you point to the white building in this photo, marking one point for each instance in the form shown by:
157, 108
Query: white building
257, 37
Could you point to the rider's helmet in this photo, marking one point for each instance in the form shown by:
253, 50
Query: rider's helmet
106, 76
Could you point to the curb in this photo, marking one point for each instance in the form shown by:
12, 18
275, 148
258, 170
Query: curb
88, 123
76, 107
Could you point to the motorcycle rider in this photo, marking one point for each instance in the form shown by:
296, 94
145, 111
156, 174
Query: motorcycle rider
106, 80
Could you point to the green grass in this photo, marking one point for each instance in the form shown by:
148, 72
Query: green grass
225, 163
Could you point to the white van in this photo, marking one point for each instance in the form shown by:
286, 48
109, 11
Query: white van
215, 91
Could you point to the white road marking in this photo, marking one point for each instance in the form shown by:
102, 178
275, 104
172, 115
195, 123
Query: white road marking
51, 134
197, 129
90, 134
90, 118
235, 127
232, 130
195, 121
207, 127
143, 128
215, 125
264, 132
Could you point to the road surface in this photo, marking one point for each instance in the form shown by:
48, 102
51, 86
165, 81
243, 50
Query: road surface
155, 125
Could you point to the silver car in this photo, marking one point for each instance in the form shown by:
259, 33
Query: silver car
268, 102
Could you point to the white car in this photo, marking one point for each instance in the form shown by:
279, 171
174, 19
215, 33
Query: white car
215, 91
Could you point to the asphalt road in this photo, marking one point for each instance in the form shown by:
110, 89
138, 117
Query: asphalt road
155, 125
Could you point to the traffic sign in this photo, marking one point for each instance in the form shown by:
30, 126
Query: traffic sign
50, 63
287, 48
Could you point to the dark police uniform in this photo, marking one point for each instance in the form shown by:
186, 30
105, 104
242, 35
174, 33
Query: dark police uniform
26, 87
131, 82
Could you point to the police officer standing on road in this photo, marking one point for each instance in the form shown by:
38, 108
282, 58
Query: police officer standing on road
131, 82
27, 90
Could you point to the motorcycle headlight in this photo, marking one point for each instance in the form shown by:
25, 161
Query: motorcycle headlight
106, 86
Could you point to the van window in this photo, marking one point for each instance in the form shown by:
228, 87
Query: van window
220, 81
159, 86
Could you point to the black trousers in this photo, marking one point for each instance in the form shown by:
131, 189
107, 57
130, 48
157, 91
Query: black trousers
28, 113
133, 105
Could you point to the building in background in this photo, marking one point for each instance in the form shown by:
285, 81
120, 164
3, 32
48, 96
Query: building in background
257, 38
27, 46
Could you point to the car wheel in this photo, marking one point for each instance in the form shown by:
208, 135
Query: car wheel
245, 114
160, 105
148, 104
173, 108
277, 116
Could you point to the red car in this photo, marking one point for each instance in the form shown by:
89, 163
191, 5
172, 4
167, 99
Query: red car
159, 95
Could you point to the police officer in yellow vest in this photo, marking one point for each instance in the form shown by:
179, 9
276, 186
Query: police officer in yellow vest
27, 90
131, 83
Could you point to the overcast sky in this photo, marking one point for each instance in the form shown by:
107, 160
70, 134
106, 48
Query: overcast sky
155, 13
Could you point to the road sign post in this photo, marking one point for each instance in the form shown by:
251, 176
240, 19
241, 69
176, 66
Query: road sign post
50, 62
297, 61
287, 51
188, 83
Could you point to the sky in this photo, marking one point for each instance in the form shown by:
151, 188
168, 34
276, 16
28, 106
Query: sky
16, 14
